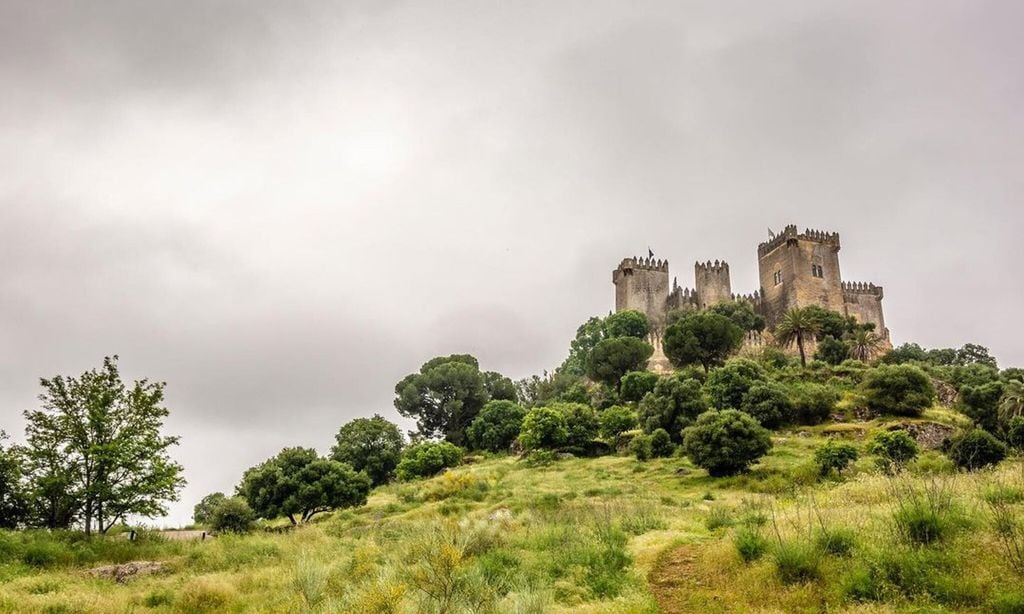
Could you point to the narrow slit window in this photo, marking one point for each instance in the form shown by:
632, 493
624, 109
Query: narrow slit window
778, 277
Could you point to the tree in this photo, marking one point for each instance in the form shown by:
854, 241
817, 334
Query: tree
497, 426
832, 350
834, 456
444, 397
894, 450
627, 323
372, 445
741, 313
202, 513
702, 338
297, 482
725, 442
635, 384
769, 404
972, 353
499, 387
902, 390
100, 441
429, 458
976, 449
581, 424
799, 326
661, 444
588, 335
726, 387
981, 404
1015, 433
617, 420
908, 352
864, 344
1012, 403
13, 501
543, 428
831, 323
232, 516
673, 405
614, 357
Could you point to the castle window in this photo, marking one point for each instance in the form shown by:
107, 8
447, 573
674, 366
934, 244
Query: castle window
778, 277
817, 271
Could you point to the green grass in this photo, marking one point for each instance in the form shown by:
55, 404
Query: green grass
582, 535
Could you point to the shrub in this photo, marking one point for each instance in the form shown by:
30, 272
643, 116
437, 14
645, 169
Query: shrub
902, 390
768, 403
232, 516
1015, 433
797, 561
981, 404
725, 442
496, 426
641, 447
673, 405
581, 424
41, 553
812, 403
204, 595
834, 455
838, 542
426, 459
924, 517
661, 444
727, 386
894, 449
718, 517
832, 350
749, 543
616, 420
543, 428
976, 449
635, 384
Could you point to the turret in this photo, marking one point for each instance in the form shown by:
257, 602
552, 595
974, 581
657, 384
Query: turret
712, 283
642, 284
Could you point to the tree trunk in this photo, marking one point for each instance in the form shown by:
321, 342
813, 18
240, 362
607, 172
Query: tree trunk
800, 344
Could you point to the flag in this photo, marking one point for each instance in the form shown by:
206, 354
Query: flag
650, 254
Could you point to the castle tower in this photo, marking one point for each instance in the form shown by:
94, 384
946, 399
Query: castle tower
799, 269
642, 284
712, 283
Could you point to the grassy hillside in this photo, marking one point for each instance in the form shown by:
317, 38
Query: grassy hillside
610, 534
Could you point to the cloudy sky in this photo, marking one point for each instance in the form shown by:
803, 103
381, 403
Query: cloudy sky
281, 208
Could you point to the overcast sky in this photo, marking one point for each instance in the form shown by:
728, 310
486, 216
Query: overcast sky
281, 208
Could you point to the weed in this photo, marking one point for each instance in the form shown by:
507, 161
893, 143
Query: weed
927, 515
718, 517
642, 520
839, 541
749, 543
310, 581
205, 595
797, 561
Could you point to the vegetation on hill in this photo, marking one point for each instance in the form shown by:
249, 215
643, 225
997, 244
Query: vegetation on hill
738, 482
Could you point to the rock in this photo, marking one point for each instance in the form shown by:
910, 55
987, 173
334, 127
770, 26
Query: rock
500, 515
946, 393
565, 455
929, 435
126, 571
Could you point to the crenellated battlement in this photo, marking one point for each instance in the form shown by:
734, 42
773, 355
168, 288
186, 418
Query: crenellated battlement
754, 297
860, 287
716, 267
791, 232
643, 264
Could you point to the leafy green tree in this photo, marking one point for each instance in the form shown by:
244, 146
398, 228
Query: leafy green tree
232, 516
834, 456
725, 442
1011, 374
798, 326
702, 338
1012, 404
908, 352
673, 405
832, 350
444, 397
943, 357
741, 313
540, 389
1015, 433
864, 344
812, 403
581, 423
981, 404
727, 386
371, 445
614, 357
499, 387
588, 335
661, 444
617, 420
976, 449
972, 353
429, 458
635, 384
544, 428
893, 449
298, 483
902, 390
627, 323
13, 498
202, 513
497, 426
973, 374
640, 446
102, 439
768, 403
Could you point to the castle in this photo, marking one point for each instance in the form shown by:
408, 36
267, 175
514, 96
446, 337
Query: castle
796, 269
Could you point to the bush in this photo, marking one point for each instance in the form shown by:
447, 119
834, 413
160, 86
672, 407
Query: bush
426, 459
232, 516
727, 386
812, 403
976, 449
832, 350
894, 450
496, 426
635, 384
797, 561
673, 405
749, 543
1015, 433
902, 390
616, 420
543, 428
581, 424
834, 456
768, 403
641, 447
661, 444
981, 404
725, 442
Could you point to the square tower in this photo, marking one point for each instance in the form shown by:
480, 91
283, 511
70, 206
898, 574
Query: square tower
642, 284
800, 269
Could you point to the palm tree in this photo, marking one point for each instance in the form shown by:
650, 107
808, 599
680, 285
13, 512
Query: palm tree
797, 325
1012, 403
864, 344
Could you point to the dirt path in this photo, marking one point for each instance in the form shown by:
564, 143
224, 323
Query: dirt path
676, 585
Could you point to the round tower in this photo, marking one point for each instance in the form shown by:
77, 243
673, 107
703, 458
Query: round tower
712, 283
